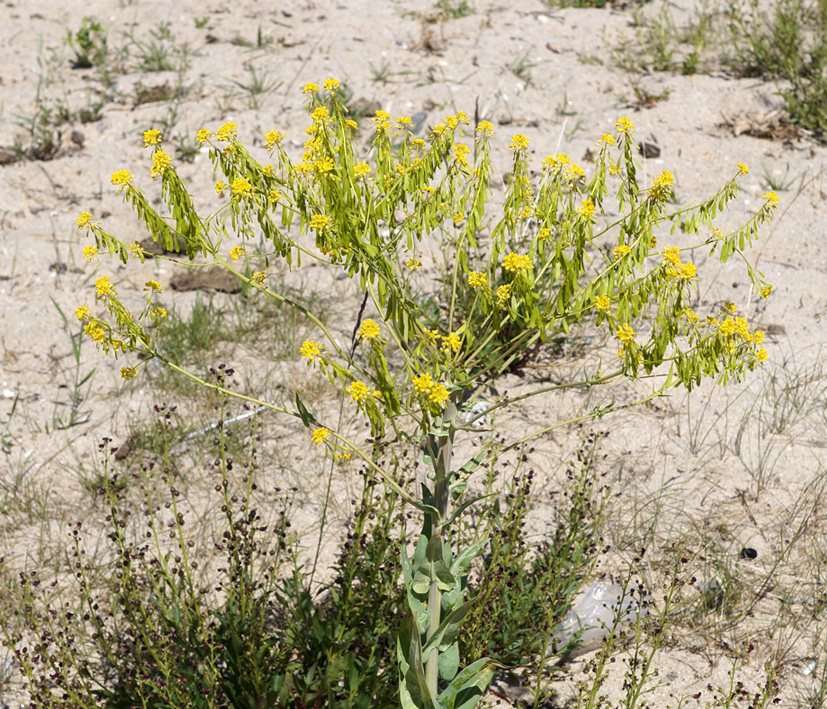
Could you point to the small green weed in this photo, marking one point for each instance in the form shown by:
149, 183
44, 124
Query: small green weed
89, 44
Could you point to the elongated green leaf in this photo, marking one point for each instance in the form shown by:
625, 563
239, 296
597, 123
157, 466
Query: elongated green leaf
469, 685
446, 633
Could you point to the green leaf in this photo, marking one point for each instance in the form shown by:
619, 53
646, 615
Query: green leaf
306, 417
449, 662
468, 686
446, 633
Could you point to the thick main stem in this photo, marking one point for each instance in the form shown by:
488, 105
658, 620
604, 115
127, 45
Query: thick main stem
441, 449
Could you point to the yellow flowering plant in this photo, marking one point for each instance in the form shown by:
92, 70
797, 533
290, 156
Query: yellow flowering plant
547, 261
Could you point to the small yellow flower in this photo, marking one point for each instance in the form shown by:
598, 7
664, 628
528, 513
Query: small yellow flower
159, 313
320, 115
121, 178
324, 166
477, 280
544, 234
625, 334
104, 287
766, 291
772, 198
359, 391
84, 219
586, 208
688, 272
404, 121
219, 187
90, 252
614, 168
621, 251
268, 170
437, 395
504, 294
727, 327
743, 169
730, 307
423, 383
418, 143
274, 196
82, 313
485, 128
226, 132
459, 217
331, 84
519, 142
153, 286
310, 88
660, 185
412, 264
452, 343
602, 302
272, 139
761, 356
135, 249
128, 372
319, 435
432, 335
369, 330
606, 139
758, 337
319, 222
353, 125
258, 277
672, 256
95, 331
152, 137
310, 350
202, 136
624, 125
236, 252
161, 161
517, 263
241, 187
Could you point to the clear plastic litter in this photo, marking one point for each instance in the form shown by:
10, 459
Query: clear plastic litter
599, 610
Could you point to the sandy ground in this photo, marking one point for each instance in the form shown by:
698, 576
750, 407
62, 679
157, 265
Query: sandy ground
391, 54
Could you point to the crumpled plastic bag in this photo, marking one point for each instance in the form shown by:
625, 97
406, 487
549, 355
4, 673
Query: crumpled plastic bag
600, 609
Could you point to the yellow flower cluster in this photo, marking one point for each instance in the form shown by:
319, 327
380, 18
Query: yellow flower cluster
84, 219
128, 372
772, 198
241, 187
451, 343
413, 264
272, 139
624, 125
161, 161
319, 222
202, 136
586, 208
319, 435
477, 280
544, 234
152, 137
766, 291
89, 252
602, 302
236, 252
660, 186
625, 334
159, 314
382, 121
82, 313
504, 294
361, 170
274, 196
310, 88
331, 84
258, 278
104, 287
433, 392
743, 169
606, 140
675, 268
95, 331
369, 330
228, 131
485, 128
461, 154
517, 263
621, 251
152, 287
519, 142
310, 350
359, 391
121, 178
